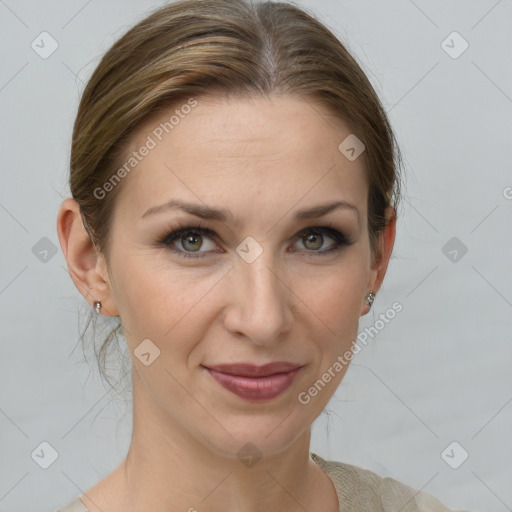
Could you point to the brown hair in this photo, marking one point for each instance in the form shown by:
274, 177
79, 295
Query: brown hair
194, 47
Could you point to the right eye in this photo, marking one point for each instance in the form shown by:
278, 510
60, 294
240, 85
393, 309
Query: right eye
191, 239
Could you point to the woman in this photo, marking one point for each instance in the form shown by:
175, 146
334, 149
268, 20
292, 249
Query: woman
234, 185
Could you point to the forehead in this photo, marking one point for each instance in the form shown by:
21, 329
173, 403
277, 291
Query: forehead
242, 151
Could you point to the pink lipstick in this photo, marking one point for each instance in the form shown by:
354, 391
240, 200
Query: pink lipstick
255, 383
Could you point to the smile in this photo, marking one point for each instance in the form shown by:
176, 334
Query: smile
247, 384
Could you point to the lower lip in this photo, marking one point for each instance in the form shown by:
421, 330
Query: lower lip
255, 389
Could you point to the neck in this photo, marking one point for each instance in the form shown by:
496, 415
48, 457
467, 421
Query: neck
167, 469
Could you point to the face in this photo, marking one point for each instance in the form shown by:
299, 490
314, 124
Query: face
269, 279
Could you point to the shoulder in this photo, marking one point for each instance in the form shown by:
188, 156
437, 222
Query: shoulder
75, 505
362, 489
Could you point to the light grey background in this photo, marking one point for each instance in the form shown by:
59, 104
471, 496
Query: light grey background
438, 372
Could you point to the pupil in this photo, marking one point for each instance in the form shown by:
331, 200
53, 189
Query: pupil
315, 239
191, 239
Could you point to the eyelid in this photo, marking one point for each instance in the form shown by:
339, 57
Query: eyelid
341, 240
176, 234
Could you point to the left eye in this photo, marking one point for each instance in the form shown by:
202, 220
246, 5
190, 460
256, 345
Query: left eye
192, 240
314, 239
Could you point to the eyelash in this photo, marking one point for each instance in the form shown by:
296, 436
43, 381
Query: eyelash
339, 239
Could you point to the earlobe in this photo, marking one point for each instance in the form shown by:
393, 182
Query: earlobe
385, 247
85, 264
368, 302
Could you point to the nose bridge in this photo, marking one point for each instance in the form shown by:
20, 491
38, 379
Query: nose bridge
263, 280
262, 302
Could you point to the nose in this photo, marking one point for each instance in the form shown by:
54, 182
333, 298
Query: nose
260, 301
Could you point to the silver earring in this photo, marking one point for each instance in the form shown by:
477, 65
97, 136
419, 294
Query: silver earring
370, 298
97, 306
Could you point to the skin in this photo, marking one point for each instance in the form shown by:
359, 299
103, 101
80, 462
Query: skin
263, 159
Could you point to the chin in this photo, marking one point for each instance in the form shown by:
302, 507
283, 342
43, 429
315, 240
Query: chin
254, 435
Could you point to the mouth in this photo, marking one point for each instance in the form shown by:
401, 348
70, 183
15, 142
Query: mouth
255, 383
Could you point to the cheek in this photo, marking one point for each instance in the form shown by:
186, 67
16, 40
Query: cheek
335, 293
165, 303
161, 302
333, 301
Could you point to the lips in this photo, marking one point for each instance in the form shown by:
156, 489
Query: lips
251, 370
255, 383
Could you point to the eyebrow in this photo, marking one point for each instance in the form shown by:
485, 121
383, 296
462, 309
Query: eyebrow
207, 212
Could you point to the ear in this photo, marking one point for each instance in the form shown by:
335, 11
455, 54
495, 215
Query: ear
384, 249
87, 267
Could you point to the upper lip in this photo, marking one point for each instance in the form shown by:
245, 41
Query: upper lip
252, 370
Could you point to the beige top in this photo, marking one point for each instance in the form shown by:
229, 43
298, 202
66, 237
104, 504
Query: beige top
358, 490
